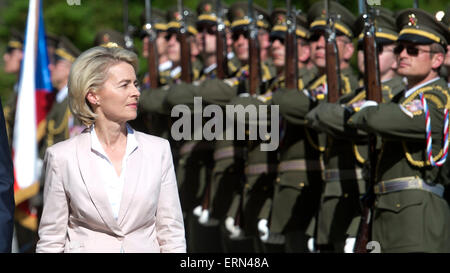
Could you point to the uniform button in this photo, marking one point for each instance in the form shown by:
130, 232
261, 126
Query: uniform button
346, 195
278, 180
120, 238
247, 186
397, 205
301, 184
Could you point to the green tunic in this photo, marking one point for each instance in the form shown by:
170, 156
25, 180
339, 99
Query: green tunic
409, 220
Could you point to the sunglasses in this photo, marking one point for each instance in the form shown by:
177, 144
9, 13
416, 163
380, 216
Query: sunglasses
273, 39
235, 36
169, 36
209, 30
380, 48
410, 49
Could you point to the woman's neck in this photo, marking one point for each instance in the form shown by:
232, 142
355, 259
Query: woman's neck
109, 133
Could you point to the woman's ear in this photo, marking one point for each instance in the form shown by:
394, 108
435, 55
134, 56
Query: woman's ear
92, 97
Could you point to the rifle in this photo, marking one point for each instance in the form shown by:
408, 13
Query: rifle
291, 58
332, 59
185, 47
152, 58
221, 44
128, 29
253, 51
373, 89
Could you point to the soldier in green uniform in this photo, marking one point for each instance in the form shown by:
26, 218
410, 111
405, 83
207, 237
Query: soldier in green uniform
410, 214
294, 105
12, 58
227, 161
159, 24
230, 155
59, 119
295, 200
332, 117
191, 168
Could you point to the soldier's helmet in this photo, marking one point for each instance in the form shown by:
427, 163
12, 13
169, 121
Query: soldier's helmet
344, 20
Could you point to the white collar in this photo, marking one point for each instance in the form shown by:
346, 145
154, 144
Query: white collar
62, 94
415, 88
210, 68
132, 143
165, 65
175, 71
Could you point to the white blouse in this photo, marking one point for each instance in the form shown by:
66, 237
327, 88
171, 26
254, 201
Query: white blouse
107, 174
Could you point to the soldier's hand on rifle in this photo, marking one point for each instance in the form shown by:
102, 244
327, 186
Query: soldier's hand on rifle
263, 230
268, 237
349, 244
204, 217
311, 245
197, 211
234, 230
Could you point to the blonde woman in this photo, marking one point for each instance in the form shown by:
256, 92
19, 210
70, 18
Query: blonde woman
111, 188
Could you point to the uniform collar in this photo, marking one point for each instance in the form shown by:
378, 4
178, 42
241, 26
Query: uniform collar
415, 88
165, 66
62, 94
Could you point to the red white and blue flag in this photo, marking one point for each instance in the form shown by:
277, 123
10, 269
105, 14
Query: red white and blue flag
33, 103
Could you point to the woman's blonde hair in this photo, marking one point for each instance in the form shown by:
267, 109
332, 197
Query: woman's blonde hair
89, 72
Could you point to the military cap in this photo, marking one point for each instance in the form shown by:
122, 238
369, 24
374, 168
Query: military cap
343, 18
51, 39
385, 27
66, 50
207, 12
279, 24
302, 26
15, 40
278, 18
174, 20
239, 18
419, 27
109, 38
158, 20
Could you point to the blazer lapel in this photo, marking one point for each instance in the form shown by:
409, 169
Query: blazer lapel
134, 168
94, 186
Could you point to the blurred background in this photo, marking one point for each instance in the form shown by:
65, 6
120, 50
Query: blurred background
80, 22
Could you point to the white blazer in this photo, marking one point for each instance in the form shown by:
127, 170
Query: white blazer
77, 215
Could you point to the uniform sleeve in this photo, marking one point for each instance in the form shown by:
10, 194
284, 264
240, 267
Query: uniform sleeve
6, 189
294, 105
169, 218
391, 120
216, 91
182, 93
332, 119
55, 215
154, 101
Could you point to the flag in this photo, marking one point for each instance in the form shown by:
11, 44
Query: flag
33, 103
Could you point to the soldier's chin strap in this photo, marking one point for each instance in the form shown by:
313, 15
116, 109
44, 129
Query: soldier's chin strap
441, 161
